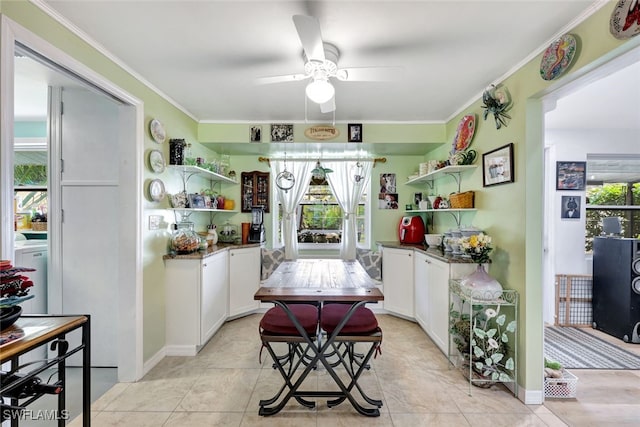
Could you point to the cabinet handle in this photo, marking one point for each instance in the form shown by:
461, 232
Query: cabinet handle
38, 254
204, 265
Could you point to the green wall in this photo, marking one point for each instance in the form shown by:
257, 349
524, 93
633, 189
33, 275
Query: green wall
510, 213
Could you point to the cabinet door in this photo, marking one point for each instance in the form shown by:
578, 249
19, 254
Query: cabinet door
182, 293
421, 282
397, 276
213, 295
255, 190
244, 280
438, 279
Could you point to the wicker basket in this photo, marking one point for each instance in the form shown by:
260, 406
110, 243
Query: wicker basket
461, 200
39, 226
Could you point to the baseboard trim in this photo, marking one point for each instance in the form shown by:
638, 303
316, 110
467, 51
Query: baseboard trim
153, 361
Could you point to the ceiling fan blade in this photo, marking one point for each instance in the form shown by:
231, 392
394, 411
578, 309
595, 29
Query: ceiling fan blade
370, 74
308, 28
281, 79
328, 106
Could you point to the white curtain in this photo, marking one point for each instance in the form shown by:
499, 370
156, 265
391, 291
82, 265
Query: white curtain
348, 191
290, 200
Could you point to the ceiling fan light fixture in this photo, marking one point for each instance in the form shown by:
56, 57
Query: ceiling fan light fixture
320, 91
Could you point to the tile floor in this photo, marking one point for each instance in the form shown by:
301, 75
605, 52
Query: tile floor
222, 385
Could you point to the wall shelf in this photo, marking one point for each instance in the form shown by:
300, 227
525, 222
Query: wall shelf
453, 171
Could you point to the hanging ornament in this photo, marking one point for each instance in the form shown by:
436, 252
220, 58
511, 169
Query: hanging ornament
285, 180
319, 173
356, 173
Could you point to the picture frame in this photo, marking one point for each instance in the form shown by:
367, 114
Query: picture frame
281, 132
255, 134
570, 207
571, 175
196, 201
497, 166
354, 132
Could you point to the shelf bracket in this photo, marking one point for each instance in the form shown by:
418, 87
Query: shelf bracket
456, 217
456, 177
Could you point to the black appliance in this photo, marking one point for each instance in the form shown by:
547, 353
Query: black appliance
256, 230
616, 287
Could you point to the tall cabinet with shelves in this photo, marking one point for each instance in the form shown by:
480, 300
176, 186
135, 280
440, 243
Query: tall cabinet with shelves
455, 172
254, 191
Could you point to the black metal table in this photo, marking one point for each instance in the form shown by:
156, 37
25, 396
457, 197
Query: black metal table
333, 281
44, 329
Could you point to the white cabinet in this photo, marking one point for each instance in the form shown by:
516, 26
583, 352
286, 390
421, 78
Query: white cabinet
431, 280
397, 277
244, 280
421, 303
214, 295
196, 301
438, 298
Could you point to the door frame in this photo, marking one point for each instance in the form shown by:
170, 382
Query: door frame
535, 263
131, 137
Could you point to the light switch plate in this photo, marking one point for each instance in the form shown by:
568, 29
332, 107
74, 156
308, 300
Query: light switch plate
155, 221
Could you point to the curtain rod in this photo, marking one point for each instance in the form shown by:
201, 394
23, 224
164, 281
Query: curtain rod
267, 160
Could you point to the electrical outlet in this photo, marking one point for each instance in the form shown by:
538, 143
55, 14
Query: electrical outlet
155, 221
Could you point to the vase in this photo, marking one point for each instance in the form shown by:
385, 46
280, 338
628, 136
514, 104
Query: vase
479, 285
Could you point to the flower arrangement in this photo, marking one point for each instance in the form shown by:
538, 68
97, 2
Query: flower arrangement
477, 246
487, 343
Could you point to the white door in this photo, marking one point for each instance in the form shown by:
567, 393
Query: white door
89, 197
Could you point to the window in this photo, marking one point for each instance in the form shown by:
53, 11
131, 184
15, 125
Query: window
612, 200
320, 218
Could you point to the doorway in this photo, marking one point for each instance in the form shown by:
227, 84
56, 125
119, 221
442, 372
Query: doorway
126, 321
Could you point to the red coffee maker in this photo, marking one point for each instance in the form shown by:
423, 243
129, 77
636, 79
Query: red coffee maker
411, 230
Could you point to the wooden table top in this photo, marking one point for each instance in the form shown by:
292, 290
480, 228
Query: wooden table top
37, 330
319, 280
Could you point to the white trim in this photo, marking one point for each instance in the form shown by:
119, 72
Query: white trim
597, 5
100, 48
6, 139
531, 397
131, 302
150, 363
184, 350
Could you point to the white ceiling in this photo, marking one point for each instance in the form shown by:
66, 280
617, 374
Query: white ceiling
206, 55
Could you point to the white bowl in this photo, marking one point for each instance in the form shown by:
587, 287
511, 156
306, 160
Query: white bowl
433, 239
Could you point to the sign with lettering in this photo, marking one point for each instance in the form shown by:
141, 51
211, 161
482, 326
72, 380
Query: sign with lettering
321, 133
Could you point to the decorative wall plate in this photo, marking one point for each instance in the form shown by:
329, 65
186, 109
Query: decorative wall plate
464, 133
558, 57
156, 128
625, 19
156, 190
156, 161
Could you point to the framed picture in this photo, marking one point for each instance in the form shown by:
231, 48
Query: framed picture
256, 134
281, 133
196, 201
387, 200
497, 166
570, 207
571, 175
417, 198
355, 132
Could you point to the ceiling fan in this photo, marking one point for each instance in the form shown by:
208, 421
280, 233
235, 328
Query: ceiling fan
321, 65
